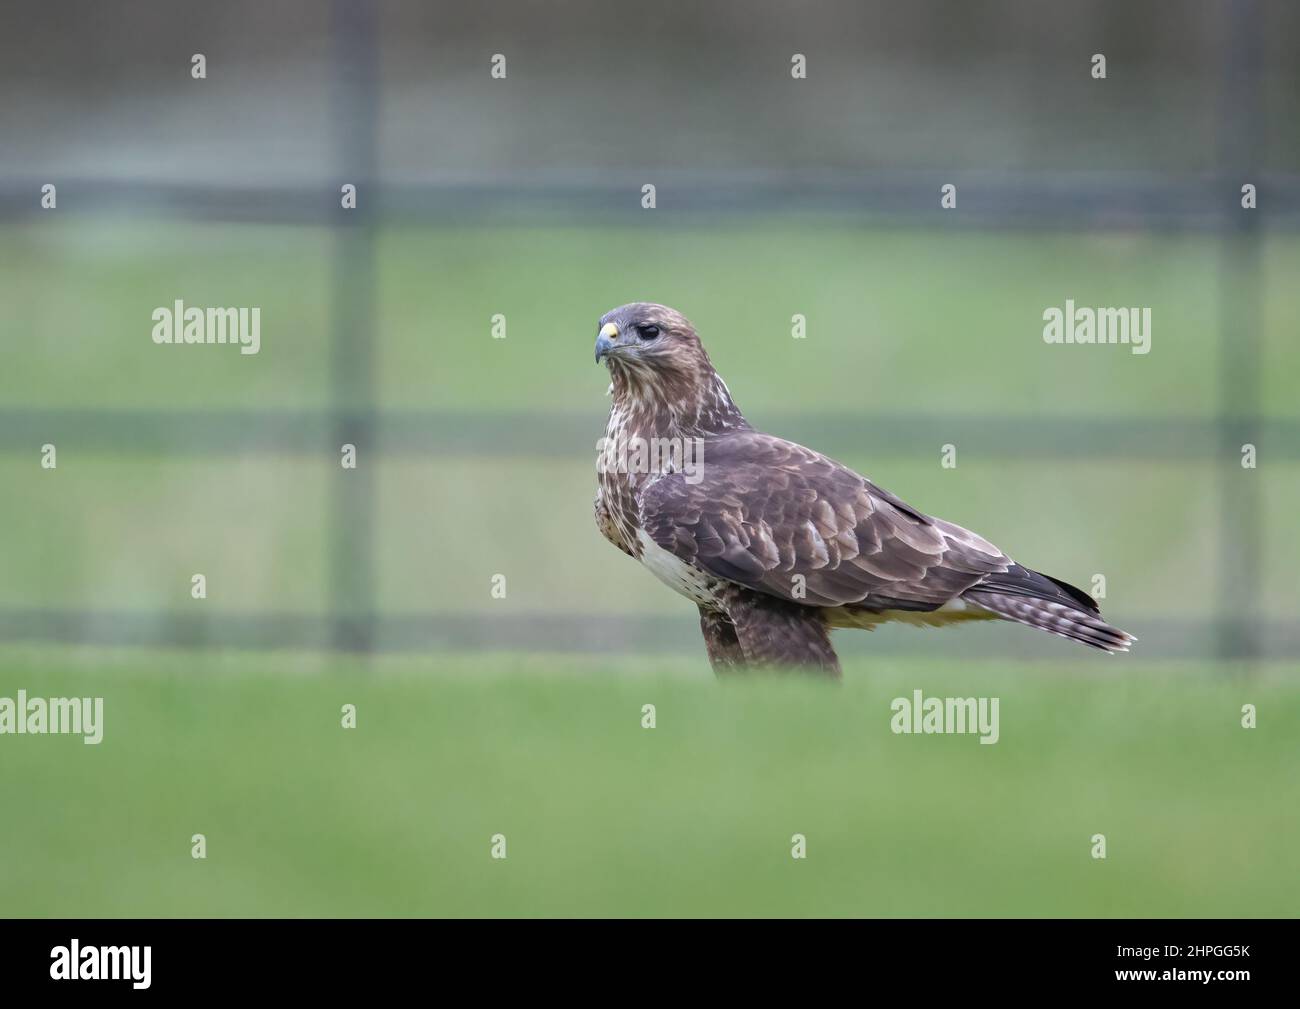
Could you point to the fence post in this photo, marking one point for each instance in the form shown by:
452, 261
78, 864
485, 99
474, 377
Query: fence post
351, 536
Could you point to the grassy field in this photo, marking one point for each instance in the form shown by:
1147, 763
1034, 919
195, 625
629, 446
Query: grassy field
603, 817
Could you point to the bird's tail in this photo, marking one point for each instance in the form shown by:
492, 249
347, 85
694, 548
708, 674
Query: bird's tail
1041, 601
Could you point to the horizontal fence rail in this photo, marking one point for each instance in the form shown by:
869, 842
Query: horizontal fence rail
1075, 200
573, 435
1160, 638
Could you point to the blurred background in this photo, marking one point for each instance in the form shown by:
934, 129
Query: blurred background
522, 197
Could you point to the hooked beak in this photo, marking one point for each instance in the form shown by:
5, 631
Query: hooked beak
605, 340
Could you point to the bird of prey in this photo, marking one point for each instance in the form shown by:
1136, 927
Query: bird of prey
775, 543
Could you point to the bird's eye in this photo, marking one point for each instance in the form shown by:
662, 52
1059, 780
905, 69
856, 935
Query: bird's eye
648, 332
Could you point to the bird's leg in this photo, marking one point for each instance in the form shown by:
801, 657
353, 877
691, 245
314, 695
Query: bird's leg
779, 635
720, 641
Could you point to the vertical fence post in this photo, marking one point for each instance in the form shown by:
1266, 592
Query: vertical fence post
351, 529
1241, 288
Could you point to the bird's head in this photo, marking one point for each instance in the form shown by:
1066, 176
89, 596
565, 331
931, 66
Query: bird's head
657, 363
653, 346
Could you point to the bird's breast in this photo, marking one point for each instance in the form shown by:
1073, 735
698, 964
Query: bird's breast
617, 516
683, 578
624, 466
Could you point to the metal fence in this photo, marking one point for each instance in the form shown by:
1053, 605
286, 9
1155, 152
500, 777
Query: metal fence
1137, 201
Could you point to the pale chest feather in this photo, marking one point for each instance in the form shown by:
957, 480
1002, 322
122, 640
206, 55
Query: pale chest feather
686, 579
615, 505
622, 475
619, 522
624, 469
613, 517
617, 515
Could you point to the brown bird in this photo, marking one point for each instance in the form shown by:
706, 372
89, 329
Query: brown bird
775, 543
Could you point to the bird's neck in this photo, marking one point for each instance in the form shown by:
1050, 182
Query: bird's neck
691, 407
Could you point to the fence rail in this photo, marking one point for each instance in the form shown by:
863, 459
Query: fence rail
572, 435
1080, 201
1161, 638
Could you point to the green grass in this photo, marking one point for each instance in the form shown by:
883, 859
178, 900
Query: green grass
602, 817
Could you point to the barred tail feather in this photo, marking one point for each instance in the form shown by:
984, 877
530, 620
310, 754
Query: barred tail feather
1037, 600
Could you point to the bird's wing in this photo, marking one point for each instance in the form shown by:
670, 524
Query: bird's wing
782, 519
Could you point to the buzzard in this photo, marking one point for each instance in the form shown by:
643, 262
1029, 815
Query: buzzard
775, 543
